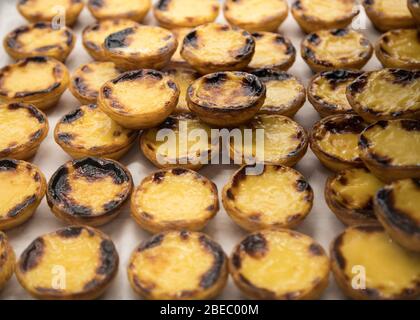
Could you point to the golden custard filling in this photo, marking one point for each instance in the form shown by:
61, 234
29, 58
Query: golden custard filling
403, 44
93, 130
252, 11
273, 196
327, 10
271, 50
17, 186
18, 126
287, 266
79, 257
384, 93
282, 137
120, 7
395, 143
392, 8
216, 43
46, 8
407, 198
281, 93
188, 12
32, 77
176, 265
183, 79
340, 145
176, 197
334, 95
355, 188
388, 267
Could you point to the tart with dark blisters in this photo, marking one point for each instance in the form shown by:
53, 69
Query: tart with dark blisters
71, 263
336, 49
139, 99
177, 60
87, 131
414, 7
141, 47
36, 80
386, 94
390, 149
88, 79
185, 13
368, 265
279, 197
39, 39
49, 10
256, 15
389, 14
94, 35
23, 186
226, 98
397, 208
174, 199
399, 49
272, 50
135, 10
23, 128
327, 91
178, 265
176, 152
183, 77
285, 94
349, 194
280, 265
285, 142
217, 47
324, 14
89, 191
7, 260
334, 140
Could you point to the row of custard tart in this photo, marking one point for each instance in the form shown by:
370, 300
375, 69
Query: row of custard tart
268, 264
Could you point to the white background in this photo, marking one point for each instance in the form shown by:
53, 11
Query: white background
320, 224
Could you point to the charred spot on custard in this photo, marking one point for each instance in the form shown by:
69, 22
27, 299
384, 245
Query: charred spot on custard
255, 245
118, 39
153, 242
32, 255
212, 275
266, 75
337, 77
353, 124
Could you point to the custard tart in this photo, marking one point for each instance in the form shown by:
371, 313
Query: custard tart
23, 128
135, 10
36, 80
414, 7
390, 149
139, 99
387, 94
226, 98
327, 91
7, 260
397, 208
185, 13
87, 131
189, 143
279, 197
315, 15
285, 94
94, 35
285, 141
368, 265
272, 50
174, 199
178, 265
217, 47
89, 191
349, 194
71, 263
256, 15
140, 47
399, 49
389, 14
39, 39
280, 265
183, 77
48, 10
334, 140
177, 60
336, 49
88, 79
23, 186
